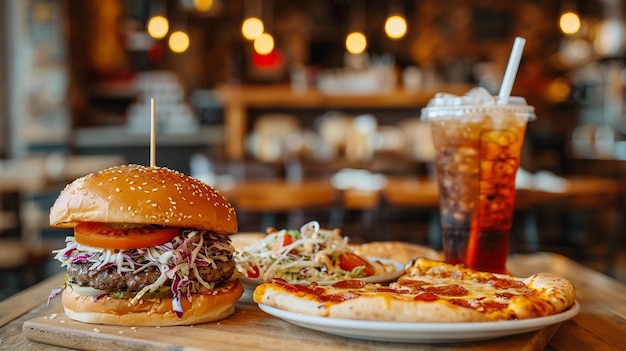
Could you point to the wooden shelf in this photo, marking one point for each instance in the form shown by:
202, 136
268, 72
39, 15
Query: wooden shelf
237, 100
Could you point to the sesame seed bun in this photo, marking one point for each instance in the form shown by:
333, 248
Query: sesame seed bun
202, 308
136, 194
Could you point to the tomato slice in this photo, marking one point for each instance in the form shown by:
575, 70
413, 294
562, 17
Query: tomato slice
253, 272
284, 241
107, 237
350, 261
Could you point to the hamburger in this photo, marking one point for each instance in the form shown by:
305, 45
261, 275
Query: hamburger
150, 248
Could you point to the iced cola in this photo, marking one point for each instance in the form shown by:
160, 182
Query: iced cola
478, 144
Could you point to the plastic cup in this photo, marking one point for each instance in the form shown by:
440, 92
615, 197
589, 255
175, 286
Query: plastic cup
478, 144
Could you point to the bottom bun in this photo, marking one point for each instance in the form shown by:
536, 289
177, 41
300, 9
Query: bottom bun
208, 307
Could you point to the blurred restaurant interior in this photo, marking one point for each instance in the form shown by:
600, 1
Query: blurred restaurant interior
316, 116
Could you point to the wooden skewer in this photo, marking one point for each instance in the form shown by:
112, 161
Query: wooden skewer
152, 132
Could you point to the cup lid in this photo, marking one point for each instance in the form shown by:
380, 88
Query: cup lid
452, 105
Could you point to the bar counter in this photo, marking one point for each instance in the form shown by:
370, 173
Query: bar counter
600, 325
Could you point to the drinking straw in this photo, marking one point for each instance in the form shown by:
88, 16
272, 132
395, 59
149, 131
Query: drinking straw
511, 70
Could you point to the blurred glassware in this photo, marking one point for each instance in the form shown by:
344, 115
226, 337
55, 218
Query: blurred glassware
360, 144
419, 140
274, 137
412, 78
174, 115
333, 128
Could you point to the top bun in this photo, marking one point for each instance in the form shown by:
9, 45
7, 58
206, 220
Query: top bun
136, 194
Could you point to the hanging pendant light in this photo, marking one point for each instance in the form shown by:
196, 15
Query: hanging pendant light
569, 22
395, 24
264, 44
395, 27
356, 43
252, 28
158, 26
203, 5
178, 42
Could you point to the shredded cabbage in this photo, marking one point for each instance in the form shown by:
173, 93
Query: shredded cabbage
177, 261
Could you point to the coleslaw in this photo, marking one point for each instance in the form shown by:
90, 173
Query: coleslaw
177, 262
306, 255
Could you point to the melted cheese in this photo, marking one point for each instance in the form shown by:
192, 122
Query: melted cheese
499, 297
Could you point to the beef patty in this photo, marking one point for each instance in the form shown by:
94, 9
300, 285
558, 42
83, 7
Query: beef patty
110, 280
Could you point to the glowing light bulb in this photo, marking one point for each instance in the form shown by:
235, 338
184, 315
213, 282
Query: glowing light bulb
203, 5
264, 44
569, 23
252, 28
179, 42
356, 43
158, 27
395, 27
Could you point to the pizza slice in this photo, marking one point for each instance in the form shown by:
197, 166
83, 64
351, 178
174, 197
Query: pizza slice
429, 291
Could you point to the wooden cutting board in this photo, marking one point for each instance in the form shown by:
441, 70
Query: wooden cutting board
248, 329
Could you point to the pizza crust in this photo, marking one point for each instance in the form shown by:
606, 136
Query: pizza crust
382, 307
395, 250
556, 290
270, 295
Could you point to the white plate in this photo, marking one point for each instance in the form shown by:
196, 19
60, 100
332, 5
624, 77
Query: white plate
420, 332
250, 284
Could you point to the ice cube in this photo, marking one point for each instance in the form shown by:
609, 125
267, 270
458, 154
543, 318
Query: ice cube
445, 96
479, 95
445, 99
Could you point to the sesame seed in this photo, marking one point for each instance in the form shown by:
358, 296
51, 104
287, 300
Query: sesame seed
132, 188
117, 190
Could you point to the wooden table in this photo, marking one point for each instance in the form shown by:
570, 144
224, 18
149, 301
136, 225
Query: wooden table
601, 324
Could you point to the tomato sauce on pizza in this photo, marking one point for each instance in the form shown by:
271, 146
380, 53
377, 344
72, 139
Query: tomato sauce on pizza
429, 291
